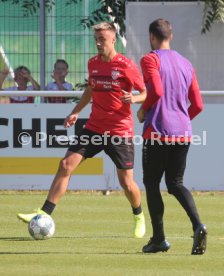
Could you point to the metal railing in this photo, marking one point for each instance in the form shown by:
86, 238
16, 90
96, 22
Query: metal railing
78, 93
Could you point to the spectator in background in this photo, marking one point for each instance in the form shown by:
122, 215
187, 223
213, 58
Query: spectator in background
60, 84
22, 77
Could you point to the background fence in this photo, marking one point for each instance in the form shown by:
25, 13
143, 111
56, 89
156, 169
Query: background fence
64, 37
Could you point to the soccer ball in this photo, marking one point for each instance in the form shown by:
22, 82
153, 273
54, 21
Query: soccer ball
41, 227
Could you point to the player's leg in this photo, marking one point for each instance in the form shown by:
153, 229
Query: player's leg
59, 185
131, 189
153, 157
174, 173
122, 154
82, 149
133, 195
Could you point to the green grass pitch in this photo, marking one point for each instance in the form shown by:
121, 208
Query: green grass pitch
94, 237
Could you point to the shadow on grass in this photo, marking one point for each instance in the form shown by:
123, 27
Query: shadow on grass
71, 253
95, 237
16, 238
68, 237
138, 253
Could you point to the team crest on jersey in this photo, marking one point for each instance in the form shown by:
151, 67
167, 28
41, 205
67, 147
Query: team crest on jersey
115, 74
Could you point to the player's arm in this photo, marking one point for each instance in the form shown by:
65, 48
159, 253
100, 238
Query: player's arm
194, 96
129, 98
73, 116
134, 76
150, 68
140, 98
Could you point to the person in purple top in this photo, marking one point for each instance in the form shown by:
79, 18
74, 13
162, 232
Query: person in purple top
172, 84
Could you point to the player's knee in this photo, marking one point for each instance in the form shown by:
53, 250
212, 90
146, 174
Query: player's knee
151, 185
128, 187
126, 180
150, 182
174, 187
170, 190
127, 184
174, 184
65, 167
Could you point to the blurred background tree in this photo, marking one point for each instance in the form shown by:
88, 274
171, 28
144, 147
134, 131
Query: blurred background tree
213, 12
114, 10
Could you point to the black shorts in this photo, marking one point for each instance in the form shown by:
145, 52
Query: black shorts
119, 149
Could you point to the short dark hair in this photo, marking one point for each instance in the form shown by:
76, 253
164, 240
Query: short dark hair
20, 68
62, 61
161, 29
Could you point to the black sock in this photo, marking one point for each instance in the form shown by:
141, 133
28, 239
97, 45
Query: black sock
48, 207
184, 196
158, 233
156, 211
137, 211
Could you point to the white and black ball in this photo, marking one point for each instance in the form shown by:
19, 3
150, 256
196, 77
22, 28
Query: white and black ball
41, 227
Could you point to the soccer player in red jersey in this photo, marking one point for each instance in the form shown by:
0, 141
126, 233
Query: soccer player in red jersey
171, 83
111, 79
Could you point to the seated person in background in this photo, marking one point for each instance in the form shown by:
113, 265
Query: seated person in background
59, 84
22, 76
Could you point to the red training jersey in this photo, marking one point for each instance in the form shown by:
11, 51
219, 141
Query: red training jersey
107, 80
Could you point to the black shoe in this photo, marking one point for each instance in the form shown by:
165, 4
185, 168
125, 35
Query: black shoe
153, 247
200, 240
